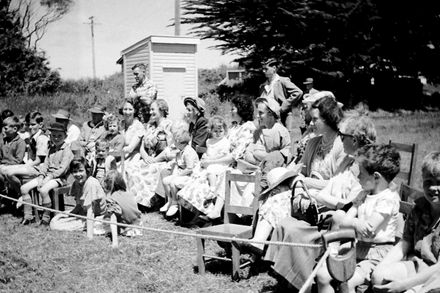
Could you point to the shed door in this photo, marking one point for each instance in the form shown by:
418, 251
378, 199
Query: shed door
174, 91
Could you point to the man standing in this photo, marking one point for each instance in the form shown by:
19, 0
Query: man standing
308, 83
279, 88
144, 90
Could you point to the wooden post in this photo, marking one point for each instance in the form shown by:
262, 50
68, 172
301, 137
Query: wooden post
114, 229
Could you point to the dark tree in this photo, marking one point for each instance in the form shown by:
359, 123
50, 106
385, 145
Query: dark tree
337, 42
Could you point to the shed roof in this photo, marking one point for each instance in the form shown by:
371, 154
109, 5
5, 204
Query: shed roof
159, 39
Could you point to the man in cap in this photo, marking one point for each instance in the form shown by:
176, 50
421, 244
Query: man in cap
144, 90
92, 130
73, 131
279, 88
309, 90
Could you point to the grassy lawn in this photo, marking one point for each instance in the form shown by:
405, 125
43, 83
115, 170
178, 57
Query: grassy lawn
34, 259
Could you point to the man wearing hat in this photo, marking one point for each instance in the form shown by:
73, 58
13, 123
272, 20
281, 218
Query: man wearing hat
73, 131
308, 83
91, 130
144, 89
279, 88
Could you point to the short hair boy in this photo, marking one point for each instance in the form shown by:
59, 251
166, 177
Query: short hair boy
12, 148
51, 174
414, 260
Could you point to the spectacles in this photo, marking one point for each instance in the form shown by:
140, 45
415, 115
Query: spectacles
344, 135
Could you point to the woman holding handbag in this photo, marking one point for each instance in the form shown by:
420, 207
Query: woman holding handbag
295, 264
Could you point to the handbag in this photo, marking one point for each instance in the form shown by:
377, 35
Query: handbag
303, 206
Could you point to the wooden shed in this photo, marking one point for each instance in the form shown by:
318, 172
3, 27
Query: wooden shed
171, 65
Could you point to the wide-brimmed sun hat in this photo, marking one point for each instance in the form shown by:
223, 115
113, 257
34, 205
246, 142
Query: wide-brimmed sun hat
271, 104
196, 102
57, 126
276, 176
97, 109
310, 99
62, 114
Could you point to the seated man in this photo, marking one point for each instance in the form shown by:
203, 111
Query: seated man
91, 130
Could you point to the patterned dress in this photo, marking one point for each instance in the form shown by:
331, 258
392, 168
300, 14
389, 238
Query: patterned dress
143, 177
196, 191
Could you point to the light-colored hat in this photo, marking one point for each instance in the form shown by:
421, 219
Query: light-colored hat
196, 102
310, 99
308, 80
276, 176
271, 104
270, 62
62, 114
97, 109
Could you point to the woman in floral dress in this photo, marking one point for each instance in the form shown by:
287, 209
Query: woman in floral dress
144, 172
194, 195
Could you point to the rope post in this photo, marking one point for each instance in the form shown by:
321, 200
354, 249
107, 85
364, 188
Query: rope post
89, 222
114, 230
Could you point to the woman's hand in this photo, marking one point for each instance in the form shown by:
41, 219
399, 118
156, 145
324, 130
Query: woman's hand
204, 163
148, 160
392, 287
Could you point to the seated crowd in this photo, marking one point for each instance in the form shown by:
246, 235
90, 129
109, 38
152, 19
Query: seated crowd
119, 164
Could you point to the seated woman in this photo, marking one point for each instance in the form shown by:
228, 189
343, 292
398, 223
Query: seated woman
414, 261
295, 264
198, 124
143, 172
196, 192
326, 115
133, 131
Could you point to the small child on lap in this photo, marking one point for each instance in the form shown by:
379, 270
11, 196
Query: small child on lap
374, 214
186, 160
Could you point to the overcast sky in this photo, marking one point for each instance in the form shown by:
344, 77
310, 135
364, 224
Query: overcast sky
120, 24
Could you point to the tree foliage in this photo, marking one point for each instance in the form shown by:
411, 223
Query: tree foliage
34, 16
22, 69
336, 41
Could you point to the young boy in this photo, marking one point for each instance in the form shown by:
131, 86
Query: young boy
112, 135
12, 148
412, 263
103, 162
37, 152
186, 160
374, 214
51, 174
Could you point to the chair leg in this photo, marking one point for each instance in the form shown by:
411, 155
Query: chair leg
235, 264
56, 201
34, 199
200, 254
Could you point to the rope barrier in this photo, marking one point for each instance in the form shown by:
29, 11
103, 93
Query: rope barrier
196, 235
309, 280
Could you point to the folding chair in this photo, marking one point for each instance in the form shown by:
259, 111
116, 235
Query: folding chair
407, 176
228, 229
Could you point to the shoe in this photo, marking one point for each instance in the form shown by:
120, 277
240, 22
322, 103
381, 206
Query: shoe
27, 221
172, 210
165, 207
246, 247
44, 223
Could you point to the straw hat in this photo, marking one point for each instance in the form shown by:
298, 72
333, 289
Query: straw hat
97, 109
62, 114
276, 176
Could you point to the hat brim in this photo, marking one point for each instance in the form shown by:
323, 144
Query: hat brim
193, 102
57, 129
60, 117
96, 111
308, 82
287, 175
